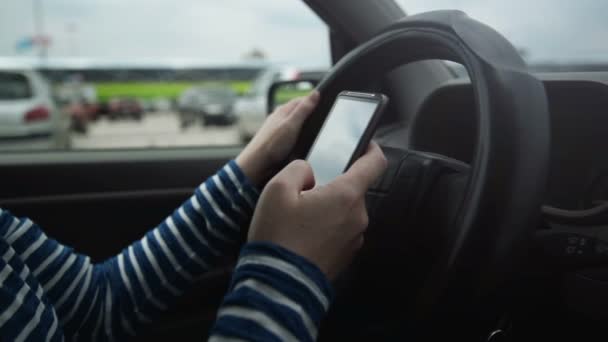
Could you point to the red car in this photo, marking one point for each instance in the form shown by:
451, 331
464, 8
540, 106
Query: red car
81, 113
125, 108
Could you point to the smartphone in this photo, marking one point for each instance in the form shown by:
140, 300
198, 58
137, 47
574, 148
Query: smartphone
345, 134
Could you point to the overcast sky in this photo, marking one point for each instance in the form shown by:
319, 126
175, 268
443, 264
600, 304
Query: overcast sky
286, 30
550, 30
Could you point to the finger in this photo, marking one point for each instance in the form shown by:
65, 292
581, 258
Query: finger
297, 176
289, 106
301, 112
365, 170
360, 216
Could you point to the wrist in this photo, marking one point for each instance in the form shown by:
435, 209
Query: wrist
253, 166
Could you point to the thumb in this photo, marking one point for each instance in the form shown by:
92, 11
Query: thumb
365, 170
296, 176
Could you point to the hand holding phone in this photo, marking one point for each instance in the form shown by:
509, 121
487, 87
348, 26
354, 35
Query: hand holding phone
346, 134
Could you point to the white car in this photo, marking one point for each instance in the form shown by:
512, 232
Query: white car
251, 109
29, 117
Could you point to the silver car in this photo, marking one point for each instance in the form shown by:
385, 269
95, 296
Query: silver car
29, 117
209, 104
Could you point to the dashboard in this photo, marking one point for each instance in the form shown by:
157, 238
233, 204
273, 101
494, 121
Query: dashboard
578, 105
576, 201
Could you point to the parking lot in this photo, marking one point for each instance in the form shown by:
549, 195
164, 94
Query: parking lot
159, 129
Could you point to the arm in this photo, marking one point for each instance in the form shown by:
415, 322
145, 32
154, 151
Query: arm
110, 300
300, 237
274, 295
113, 298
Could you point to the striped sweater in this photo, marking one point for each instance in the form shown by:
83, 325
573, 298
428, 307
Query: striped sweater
48, 292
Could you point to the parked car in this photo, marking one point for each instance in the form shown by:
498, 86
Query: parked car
162, 104
207, 104
147, 106
251, 109
119, 108
29, 117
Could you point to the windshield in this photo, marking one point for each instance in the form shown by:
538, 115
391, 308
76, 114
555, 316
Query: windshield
14, 86
551, 35
141, 74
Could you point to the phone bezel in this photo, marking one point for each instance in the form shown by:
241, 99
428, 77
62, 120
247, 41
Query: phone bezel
381, 102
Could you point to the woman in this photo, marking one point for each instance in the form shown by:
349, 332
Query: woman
280, 288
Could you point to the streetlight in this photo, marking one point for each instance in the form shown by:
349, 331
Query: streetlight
71, 30
39, 28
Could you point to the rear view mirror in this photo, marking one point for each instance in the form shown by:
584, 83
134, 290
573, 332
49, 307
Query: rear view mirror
284, 91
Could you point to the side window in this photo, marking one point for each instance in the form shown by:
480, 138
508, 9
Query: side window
147, 74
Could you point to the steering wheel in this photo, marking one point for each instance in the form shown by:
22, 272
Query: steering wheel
445, 237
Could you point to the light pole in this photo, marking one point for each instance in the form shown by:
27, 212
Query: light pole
39, 28
71, 30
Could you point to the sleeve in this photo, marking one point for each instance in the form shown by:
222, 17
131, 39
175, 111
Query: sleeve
275, 295
110, 300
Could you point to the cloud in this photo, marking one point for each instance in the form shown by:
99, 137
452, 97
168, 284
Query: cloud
223, 30
550, 30
208, 30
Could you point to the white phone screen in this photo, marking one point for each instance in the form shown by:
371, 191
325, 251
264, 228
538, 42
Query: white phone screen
339, 137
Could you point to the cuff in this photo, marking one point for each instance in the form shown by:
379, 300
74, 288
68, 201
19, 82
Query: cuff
239, 186
288, 273
228, 197
244, 181
274, 295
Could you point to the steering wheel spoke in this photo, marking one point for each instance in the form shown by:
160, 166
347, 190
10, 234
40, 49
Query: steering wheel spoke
412, 212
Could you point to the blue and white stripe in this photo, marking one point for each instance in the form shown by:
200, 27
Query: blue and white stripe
275, 296
48, 292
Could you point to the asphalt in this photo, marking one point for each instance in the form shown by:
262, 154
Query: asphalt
155, 130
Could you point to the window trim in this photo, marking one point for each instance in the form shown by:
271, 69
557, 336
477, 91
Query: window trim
42, 157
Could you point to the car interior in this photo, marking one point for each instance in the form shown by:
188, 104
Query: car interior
490, 223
